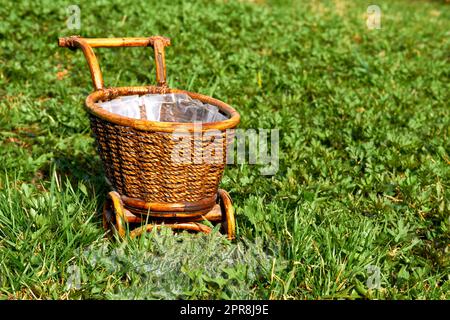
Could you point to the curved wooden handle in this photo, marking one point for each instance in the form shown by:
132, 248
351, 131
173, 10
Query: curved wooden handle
157, 42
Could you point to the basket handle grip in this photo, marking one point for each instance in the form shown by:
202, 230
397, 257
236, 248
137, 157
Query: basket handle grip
86, 44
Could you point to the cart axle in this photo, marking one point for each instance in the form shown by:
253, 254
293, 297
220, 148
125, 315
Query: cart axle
116, 218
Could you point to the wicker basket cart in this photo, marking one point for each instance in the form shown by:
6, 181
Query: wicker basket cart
149, 188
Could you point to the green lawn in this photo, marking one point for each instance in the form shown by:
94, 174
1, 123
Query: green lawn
364, 176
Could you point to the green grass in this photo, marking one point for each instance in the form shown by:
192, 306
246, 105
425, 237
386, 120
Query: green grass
364, 175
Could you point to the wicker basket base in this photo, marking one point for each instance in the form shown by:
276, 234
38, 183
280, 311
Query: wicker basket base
117, 219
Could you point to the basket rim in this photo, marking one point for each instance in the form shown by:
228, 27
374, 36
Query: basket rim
147, 125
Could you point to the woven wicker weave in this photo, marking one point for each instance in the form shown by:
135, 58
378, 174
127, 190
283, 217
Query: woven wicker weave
137, 154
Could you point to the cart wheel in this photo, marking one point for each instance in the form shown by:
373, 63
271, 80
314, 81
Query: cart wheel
228, 220
188, 226
107, 216
114, 214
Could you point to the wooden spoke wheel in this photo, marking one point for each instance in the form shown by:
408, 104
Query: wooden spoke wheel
117, 219
228, 220
114, 214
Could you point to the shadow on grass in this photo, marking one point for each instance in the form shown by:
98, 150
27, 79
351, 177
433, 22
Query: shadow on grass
83, 170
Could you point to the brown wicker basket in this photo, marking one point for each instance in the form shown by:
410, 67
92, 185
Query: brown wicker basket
136, 153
